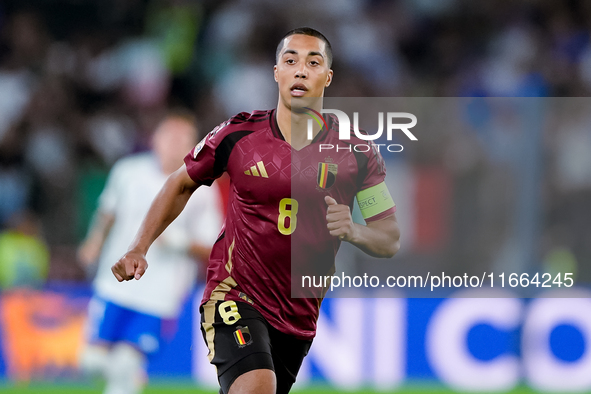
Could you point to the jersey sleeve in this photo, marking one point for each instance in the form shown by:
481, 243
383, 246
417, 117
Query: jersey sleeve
209, 159
205, 162
373, 197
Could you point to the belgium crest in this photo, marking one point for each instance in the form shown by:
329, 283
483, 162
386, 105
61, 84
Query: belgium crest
327, 174
242, 336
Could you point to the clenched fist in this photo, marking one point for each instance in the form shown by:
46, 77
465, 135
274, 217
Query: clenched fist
131, 265
339, 221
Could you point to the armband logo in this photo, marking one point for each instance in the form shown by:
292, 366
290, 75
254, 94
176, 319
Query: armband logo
374, 200
368, 202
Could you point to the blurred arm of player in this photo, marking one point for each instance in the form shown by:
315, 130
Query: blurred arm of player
89, 251
202, 252
167, 205
380, 238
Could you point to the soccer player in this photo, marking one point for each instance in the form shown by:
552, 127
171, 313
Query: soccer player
127, 322
290, 204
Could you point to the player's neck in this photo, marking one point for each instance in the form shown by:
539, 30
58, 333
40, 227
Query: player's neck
294, 127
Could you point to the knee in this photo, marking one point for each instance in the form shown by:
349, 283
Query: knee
125, 362
93, 359
258, 381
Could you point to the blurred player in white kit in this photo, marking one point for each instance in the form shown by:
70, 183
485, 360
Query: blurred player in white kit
126, 320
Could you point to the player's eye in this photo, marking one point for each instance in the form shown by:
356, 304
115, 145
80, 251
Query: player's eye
314, 63
290, 61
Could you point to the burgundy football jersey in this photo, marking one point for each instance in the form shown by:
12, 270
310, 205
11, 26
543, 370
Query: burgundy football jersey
275, 229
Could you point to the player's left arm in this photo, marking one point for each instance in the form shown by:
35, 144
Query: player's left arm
378, 238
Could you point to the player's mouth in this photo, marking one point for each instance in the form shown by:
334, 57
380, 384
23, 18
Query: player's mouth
298, 89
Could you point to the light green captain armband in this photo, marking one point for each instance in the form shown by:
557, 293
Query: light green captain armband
374, 200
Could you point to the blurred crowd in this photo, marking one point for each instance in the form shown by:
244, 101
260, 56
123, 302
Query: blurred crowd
83, 83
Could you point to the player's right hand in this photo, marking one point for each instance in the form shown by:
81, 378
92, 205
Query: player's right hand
131, 265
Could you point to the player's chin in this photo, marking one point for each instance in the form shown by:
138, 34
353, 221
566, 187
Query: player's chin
302, 102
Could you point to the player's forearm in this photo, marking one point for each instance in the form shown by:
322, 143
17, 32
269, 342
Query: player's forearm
378, 239
167, 205
100, 228
90, 249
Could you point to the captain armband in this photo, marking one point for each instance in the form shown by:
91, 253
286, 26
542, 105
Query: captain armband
374, 200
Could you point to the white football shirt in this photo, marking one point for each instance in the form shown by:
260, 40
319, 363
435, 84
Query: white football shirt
133, 183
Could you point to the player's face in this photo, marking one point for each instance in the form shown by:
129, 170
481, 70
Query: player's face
302, 70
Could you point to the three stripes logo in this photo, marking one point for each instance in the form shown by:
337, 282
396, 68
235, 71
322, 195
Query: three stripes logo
257, 170
242, 336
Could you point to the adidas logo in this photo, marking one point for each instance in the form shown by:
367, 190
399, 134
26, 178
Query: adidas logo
258, 170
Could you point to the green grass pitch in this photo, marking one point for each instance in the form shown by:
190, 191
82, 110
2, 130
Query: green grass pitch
7, 388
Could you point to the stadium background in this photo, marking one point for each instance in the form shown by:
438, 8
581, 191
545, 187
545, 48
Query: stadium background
83, 82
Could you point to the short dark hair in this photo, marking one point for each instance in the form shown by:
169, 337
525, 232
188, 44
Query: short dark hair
183, 114
306, 31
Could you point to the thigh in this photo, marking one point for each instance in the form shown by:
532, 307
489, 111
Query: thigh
104, 321
237, 337
143, 331
288, 354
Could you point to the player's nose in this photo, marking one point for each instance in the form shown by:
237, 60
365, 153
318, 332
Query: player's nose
301, 73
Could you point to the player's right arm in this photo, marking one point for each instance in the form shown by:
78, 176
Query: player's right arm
89, 251
167, 205
205, 163
105, 215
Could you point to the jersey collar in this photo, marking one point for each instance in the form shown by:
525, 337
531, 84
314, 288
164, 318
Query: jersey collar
277, 133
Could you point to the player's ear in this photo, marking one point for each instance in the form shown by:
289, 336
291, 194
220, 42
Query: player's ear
275, 73
328, 79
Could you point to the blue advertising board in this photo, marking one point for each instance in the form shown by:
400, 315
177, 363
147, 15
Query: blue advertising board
466, 343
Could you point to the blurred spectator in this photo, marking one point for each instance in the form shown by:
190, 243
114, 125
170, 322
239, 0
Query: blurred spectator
24, 257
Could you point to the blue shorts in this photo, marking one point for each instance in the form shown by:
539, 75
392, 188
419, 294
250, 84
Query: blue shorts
109, 322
